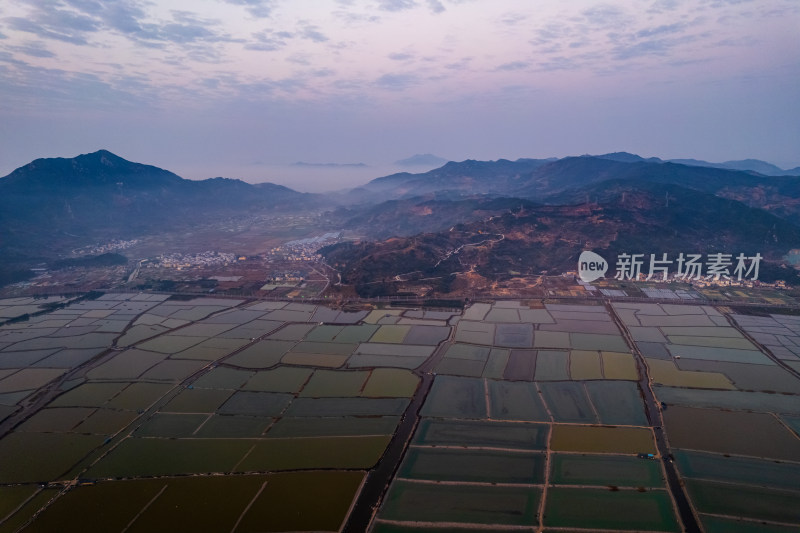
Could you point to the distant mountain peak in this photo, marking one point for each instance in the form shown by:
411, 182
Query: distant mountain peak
421, 160
104, 157
755, 165
101, 168
744, 165
626, 157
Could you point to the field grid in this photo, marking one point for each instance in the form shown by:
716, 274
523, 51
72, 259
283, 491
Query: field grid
529, 415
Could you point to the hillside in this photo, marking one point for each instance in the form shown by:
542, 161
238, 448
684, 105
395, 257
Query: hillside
422, 214
53, 204
464, 178
631, 217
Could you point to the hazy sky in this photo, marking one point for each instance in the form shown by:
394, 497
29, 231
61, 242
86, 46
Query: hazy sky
244, 88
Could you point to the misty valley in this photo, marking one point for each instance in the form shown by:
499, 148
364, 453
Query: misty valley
492, 228
584, 344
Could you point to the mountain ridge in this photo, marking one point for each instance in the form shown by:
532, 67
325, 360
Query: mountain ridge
628, 217
100, 166
542, 180
60, 202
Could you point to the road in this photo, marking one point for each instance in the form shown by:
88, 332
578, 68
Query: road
653, 410
457, 250
378, 479
448, 255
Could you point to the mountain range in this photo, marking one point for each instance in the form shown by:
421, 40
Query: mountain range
529, 239
571, 180
50, 206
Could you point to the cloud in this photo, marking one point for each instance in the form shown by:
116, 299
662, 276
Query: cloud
436, 6
28, 86
643, 48
746, 41
299, 59
551, 35
56, 24
124, 17
558, 63
400, 56
661, 6
185, 27
512, 19
269, 41
658, 47
74, 21
257, 8
204, 54
396, 82
350, 17
348, 84
312, 33
663, 29
608, 39
727, 3
656, 41
605, 15
211, 83
461, 64
513, 65
686, 62
396, 5
290, 85
34, 49
183, 33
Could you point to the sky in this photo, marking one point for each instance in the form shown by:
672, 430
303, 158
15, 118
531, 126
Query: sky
246, 88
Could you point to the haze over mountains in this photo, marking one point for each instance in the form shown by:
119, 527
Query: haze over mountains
51, 206
329, 165
569, 180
